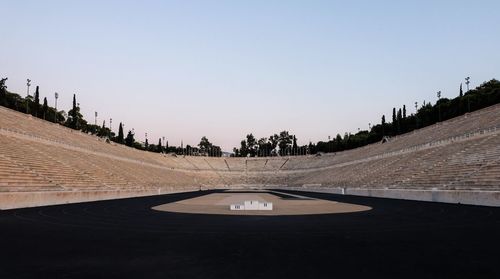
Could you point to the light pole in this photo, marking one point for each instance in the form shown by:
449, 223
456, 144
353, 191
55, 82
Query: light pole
28, 84
416, 115
56, 95
439, 105
467, 81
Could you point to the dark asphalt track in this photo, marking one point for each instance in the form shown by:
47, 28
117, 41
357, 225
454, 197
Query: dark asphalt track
126, 239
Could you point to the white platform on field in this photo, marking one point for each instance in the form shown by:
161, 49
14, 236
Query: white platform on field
252, 205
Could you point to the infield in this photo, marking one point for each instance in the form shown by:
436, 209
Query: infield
284, 204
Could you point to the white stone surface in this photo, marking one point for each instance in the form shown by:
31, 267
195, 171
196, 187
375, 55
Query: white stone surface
252, 205
237, 207
265, 206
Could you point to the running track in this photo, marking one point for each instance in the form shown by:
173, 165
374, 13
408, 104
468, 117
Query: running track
126, 239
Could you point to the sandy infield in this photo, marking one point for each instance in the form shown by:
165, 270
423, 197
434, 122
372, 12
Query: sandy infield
285, 204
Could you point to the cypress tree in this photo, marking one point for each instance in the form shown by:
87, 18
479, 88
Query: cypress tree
120, 134
45, 107
36, 103
403, 122
159, 147
394, 122
74, 114
383, 125
400, 120
461, 94
146, 144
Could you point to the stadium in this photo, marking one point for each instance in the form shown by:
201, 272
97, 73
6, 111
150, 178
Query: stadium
329, 208
415, 197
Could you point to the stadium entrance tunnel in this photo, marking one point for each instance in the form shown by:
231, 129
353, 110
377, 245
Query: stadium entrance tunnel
283, 204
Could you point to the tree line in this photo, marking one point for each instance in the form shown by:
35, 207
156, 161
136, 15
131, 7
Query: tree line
487, 94
282, 144
74, 119
279, 144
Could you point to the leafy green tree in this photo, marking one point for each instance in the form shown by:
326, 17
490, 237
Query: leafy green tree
311, 148
264, 147
205, 146
129, 140
3, 87
251, 144
216, 151
103, 130
75, 119
274, 140
3, 92
243, 148
284, 142
236, 152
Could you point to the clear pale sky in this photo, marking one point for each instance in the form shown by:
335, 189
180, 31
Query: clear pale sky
222, 69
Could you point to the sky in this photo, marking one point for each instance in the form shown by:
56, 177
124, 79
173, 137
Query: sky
223, 69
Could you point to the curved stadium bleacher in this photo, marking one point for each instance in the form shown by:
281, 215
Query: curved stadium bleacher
457, 161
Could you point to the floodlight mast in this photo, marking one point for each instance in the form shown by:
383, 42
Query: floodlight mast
467, 81
56, 95
439, 105
28, 84
416, 117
